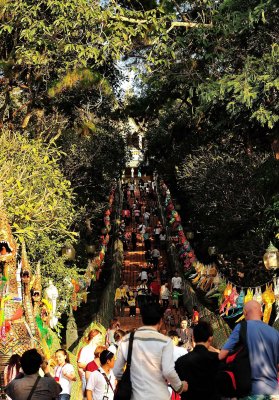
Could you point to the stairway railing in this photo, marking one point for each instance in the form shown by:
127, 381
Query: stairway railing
106, 309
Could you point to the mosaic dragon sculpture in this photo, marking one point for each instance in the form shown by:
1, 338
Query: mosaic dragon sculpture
18, 329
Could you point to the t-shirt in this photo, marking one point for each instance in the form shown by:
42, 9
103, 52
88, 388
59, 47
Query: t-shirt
120, 294
92, 366
157, 230
176, 282
99, 386
155, 288
263, 346
19, 389
132, 302
142, 229
146, 236
175, 295
65, 383
143, 276
146, 215
165, 293
142, 290
178, 352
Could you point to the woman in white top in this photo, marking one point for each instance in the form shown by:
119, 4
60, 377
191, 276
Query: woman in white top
64, 374
101, 383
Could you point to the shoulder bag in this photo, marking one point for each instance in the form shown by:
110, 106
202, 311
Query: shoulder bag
123, 390
234, 377
33, 388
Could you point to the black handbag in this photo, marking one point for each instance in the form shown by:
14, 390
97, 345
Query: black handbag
123, 390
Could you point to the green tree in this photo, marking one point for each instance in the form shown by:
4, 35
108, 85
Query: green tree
39, 202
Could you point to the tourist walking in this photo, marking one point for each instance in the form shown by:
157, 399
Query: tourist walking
263, 347
11, 370
155, 257
176, 282
86, 354
152, 364
113, 326
146, 217
147, 241
186, 335
64, 374
165, 295
101, 383
155, 288
178, 351
132, 304
120, 300
95, 364
164, 275
45, 388
137, 215
134, 240
142, 291
157, 231
200, 366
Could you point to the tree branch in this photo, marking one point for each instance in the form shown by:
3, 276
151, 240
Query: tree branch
188, 25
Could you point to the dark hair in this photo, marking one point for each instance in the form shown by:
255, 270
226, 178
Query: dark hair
65, 354
202, 331
31, 361
151, 314
14, 361
195, 308
105, 356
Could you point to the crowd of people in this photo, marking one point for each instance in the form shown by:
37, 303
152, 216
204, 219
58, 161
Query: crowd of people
172, 352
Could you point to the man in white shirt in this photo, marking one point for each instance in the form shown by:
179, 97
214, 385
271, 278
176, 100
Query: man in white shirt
101, 383
152, 364
176, 283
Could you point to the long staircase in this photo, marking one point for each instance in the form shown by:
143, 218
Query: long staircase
134, 260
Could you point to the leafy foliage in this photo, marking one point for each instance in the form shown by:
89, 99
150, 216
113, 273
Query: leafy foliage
39, 202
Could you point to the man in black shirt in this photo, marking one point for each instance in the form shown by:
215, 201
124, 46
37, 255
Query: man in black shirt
199, 367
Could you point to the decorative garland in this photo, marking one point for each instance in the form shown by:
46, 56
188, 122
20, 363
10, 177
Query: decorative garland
209, 280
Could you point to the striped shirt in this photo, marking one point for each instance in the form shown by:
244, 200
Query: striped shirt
152, 364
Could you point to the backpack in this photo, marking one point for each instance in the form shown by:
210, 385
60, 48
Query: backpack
234, 377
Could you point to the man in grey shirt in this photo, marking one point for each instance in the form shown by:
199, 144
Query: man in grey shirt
46, 388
